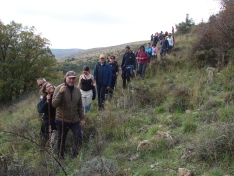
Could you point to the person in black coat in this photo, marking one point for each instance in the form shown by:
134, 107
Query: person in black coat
128, 65
44, 106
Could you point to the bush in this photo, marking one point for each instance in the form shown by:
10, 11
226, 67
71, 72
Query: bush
216, 142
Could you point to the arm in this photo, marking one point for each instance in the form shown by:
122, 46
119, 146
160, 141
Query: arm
57, 98
79, 82
95, 73
134, 62
109, 76
93, 81
123, 61
79, 109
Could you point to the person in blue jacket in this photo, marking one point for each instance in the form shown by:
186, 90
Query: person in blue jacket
102, 75
164, 46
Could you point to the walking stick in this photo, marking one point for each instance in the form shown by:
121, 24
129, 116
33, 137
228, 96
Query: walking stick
61, 143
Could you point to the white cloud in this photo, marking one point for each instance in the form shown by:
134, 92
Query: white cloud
92, 23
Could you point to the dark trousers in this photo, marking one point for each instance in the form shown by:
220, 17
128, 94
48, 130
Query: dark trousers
101, 91
62, 134
126, 77
112, 88
45, 130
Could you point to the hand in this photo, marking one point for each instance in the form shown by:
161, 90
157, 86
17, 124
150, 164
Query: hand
42, 120
107, 87
94, 84
82, 122
62, 89
48, 96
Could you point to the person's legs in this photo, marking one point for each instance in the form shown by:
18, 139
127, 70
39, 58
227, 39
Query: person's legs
124, 78
102, 95
44, 133
140, 69
143, 70
99, 95
62, 134
76, 130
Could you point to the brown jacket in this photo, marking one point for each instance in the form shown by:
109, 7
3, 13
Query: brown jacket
71, 105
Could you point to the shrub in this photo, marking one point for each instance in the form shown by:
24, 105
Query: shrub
217, 141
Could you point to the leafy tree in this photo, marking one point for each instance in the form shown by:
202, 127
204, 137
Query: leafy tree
185, 27
24, 57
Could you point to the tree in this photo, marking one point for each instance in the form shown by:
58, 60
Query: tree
185, 27
24, 57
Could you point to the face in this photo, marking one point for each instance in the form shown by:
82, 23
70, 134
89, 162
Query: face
102, 60
141, 48
127, 50
70, 81
40, 83
49, 89
112, 59
85, 72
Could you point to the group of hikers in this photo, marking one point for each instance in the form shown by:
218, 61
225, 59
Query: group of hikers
63, 107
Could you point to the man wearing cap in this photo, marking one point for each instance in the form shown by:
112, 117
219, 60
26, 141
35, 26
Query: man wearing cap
67, 100
102, 75
128, 65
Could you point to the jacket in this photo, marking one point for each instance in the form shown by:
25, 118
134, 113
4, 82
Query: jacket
143, 55
129, 59
149, 50
42, 107
165, 44
102, 74
114, 68
68, 102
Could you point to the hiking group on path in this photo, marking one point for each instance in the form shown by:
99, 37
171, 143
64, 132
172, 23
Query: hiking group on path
63, 107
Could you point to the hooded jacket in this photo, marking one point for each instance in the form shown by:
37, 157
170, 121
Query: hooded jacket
68, 103
129, 59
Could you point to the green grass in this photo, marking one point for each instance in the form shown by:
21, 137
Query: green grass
175, 97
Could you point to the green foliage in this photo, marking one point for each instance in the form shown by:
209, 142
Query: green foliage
185, 27
24, 57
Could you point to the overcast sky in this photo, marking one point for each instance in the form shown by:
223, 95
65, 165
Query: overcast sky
100, 23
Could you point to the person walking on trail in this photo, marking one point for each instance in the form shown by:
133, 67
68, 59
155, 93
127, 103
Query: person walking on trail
152, 38
85, 84
48, 126
149, 50
102, 76
172, 30
170, 42
164, 47
128, 65
156, 39
67, 100
142, 58
115, 72
155, 51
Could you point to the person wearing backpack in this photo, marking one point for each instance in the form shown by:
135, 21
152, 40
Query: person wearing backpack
149, 50
142, 58
128, 66
85, 84
164, 47
102, 76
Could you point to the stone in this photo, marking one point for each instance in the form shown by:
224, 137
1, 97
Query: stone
185, 172
144, 145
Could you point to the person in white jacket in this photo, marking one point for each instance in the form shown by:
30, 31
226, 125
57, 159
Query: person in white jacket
170, 42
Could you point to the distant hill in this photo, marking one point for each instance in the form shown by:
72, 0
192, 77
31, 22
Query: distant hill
64, 52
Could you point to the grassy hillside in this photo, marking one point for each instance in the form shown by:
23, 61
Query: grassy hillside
183, 114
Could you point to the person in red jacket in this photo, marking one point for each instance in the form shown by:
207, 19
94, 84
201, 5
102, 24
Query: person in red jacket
142, 58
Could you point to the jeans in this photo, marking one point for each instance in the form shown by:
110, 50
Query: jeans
62, 134
101, 91
141, 69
